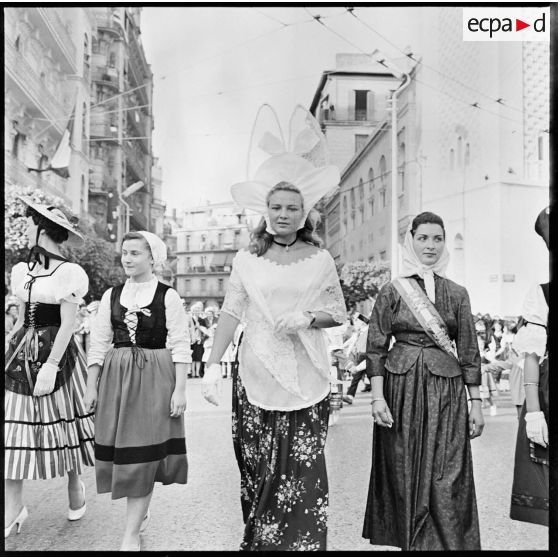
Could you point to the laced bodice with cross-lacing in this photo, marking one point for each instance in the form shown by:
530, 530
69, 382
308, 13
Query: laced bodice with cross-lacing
140, 316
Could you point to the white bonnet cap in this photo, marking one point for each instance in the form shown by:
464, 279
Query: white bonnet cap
157, 246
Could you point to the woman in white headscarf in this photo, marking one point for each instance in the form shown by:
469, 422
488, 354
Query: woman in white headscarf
422, 492
140, 397
285, 289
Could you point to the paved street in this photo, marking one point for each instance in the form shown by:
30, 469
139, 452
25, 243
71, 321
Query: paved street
205, 514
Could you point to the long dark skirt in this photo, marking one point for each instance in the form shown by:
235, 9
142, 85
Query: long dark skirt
422, 492
530, 490
137, 442
283, 477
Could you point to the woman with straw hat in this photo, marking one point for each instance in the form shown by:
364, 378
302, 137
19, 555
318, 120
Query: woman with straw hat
48, 432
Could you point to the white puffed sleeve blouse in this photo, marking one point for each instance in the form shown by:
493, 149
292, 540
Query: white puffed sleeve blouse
141, 295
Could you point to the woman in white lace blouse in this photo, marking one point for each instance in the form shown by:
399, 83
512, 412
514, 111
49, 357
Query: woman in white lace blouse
285, 290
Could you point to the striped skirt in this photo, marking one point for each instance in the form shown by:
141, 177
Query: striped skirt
137, 442
48, 436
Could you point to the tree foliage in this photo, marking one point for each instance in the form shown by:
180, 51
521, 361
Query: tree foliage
97, 256
361, 280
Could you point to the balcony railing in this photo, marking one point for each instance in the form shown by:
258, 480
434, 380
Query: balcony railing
28, 81
102, 125
16, 173
133, 160
58, 30
106, 75
105, 22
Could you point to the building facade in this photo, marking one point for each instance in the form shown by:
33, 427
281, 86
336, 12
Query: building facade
207, 239
121, 124
85, 69
472, 137
47, 80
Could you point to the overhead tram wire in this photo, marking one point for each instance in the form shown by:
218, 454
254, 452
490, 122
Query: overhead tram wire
439, 72
471, 105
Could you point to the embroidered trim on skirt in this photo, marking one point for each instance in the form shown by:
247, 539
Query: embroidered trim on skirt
47, 436
531, 488
137, 442
284, 486
422, 492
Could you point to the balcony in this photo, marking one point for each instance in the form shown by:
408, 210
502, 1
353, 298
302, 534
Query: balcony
18, 70
135, 160
106, 75
106, 23
57, 36
102, 125
16, 173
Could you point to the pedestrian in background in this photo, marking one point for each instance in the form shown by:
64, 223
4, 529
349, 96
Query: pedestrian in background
357, 356
208, 326
47, 430
141, 395
530, 491
197, 337
286, 289
422, 491
11, 315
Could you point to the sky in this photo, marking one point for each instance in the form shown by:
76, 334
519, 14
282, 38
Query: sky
214, 67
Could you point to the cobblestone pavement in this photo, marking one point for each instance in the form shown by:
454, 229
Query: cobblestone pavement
205, 514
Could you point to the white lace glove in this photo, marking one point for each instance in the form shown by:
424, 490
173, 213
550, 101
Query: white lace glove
45, 379
291, 322
211, 382
536, 427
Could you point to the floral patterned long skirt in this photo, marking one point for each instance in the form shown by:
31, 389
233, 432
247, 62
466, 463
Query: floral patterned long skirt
283, 476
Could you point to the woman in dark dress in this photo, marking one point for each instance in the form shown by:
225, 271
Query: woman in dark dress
530, 491
422, 493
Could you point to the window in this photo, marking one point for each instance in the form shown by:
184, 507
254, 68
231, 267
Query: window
203, 285
83, 194
345, 211
353, 206
187, 242
361, 102
187, 286
361, 199
360, 140
459, 151
401, 166
383, 197
467, 154
383, 255
383, 168
451, 159
540, 148
372, 205
188, 263
221, 285
220, 240
202, 261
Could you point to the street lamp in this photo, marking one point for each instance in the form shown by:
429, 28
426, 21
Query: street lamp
406, 80
125, 194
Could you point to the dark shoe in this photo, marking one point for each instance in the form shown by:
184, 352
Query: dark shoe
348, 399
367, 388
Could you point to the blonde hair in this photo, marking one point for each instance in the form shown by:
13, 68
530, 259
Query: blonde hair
261, 240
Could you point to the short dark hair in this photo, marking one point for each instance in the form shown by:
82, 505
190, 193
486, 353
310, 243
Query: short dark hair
424, 218
542, 225
55, 232
134, 235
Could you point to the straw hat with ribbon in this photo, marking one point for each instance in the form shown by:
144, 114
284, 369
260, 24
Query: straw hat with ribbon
55, 215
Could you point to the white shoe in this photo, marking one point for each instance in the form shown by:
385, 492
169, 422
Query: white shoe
145, 521
493, 410
74, 515
20, 518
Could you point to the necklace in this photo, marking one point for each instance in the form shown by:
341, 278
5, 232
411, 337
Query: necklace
286, 246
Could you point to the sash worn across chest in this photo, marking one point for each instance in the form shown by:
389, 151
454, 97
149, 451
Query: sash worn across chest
425, 312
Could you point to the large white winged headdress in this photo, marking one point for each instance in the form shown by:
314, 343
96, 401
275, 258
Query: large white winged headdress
302, 161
